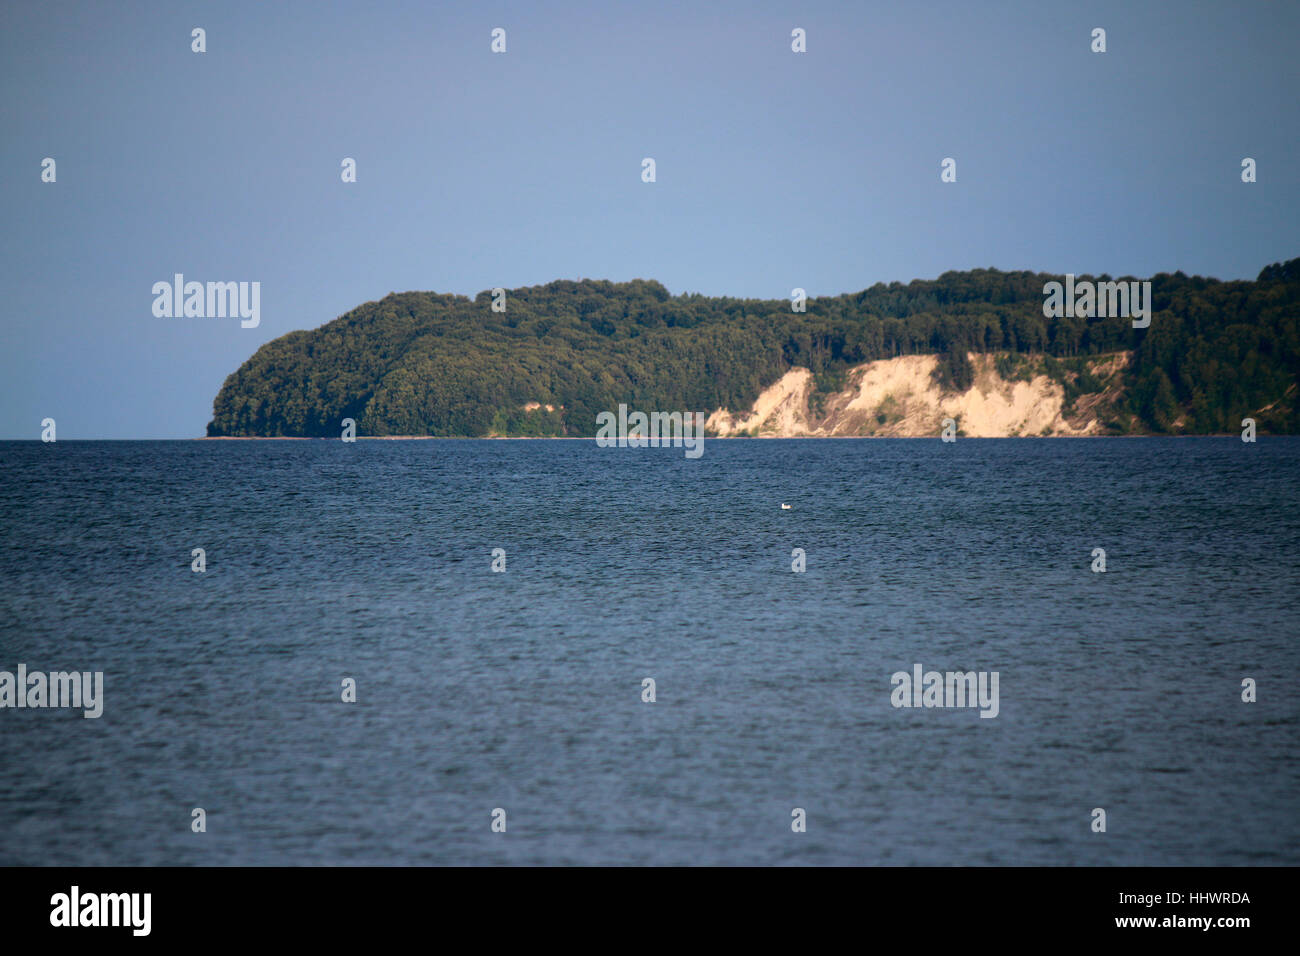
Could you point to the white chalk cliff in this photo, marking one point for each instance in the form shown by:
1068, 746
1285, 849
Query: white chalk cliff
900, 398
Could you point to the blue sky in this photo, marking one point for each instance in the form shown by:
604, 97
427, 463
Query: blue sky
476, 170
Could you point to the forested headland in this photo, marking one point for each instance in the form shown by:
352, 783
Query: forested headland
423, 363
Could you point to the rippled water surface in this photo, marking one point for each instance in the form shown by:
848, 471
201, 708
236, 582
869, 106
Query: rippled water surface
522, 690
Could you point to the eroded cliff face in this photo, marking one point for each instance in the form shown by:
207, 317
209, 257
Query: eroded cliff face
900, 398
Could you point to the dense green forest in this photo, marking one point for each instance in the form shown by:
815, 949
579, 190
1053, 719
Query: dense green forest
420, 363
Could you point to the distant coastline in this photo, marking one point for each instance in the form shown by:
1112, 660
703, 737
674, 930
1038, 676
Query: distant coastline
590, 438
996, 353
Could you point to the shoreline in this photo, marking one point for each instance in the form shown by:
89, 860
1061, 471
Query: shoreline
711, 438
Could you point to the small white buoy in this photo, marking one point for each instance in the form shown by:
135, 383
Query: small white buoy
784, 506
